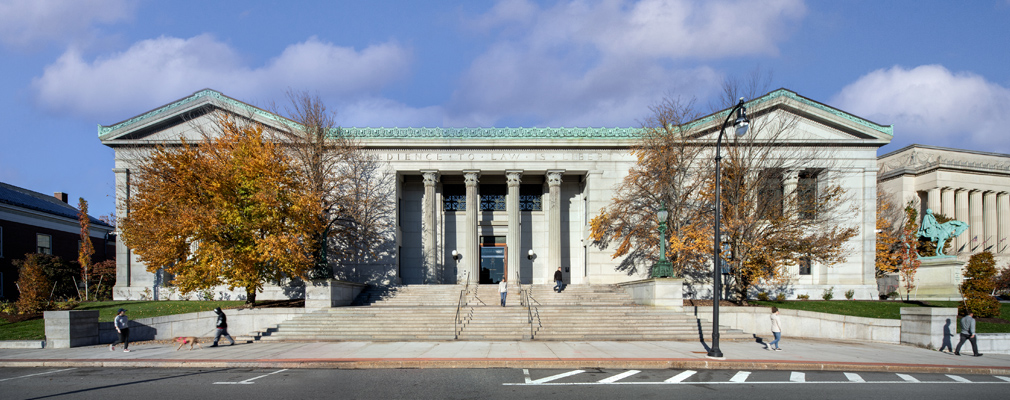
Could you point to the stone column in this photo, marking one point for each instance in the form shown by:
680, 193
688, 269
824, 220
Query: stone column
791, 180
963, 241
554, 224
1003, 228
428, 230
946, 202
933, 200
977, 224
512, 238
123, 254
471, 254
989, 215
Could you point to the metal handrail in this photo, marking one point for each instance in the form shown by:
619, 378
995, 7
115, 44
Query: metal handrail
459, 305
524, 300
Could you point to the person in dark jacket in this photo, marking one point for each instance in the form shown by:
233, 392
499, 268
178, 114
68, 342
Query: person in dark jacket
558, 280
222, 328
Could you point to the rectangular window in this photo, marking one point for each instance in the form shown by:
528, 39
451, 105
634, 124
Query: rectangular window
493, 197
770, 188
805, 266
806, 194
454, 197
43, 244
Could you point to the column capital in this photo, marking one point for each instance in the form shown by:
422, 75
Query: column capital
514, 176
430, 176
554, 176
471, 176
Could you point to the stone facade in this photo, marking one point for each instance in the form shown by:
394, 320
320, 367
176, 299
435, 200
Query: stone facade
521, 199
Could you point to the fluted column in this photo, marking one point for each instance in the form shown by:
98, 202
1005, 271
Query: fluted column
471, 254
512, 238
962, 241
1003, 228
977, 224
428, 239
789, 183
933, 200
989, 216
554, 225
946, 202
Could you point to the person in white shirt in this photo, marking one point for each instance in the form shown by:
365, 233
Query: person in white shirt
503, 288
776, 330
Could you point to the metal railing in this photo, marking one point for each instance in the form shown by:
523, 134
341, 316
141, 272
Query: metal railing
459, 306
525, 300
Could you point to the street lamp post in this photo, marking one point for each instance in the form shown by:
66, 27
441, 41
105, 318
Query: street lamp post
663, 268
741, 124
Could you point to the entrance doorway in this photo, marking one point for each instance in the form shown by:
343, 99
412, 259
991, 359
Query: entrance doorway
493, 259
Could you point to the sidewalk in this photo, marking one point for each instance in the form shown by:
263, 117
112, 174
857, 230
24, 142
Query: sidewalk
797, 354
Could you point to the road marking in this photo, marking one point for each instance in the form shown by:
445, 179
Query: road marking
907, 378
554, 377
958, 378
797, 377
618, 377
248, 381
740, 377
526, 375
40, 373
853, 377
1004, 378
681, 377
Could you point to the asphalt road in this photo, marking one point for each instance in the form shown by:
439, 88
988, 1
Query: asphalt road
231, 383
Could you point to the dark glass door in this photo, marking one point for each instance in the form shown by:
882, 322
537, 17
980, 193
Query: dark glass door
492, 259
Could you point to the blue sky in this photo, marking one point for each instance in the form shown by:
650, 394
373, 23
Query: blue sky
939, 71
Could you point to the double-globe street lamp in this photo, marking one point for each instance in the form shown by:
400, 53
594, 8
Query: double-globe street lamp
741, 124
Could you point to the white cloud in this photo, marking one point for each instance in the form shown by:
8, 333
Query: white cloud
931, 105
604, 63
32, 22
153, 72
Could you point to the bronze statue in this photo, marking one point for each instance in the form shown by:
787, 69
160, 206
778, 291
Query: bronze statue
939, 233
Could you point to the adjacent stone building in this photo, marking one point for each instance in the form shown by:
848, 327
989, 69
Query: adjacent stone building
518, 201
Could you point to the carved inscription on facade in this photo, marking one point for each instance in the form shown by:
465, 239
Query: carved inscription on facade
530, 156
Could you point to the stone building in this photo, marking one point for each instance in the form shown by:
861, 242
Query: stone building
969, 186
519, 200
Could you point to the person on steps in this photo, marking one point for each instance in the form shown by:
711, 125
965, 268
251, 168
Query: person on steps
559, 280
222, 328
503, 288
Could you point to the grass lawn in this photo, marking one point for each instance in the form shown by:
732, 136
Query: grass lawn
882, 309
35, 328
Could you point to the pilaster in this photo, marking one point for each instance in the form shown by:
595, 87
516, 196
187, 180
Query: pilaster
512, 237
471, 254
428, 229
554, 223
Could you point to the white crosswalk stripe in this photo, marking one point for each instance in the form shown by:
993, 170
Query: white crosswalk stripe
740, 377
618, 377
681, 377
853, 377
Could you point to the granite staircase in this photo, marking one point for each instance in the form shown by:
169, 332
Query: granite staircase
429, 312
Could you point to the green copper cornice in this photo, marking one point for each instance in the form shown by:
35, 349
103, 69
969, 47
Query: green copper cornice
206, 93
492, 133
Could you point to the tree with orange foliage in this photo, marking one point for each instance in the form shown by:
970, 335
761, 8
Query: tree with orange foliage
86, 250
667, 173
909, 249
888, 234
231, 210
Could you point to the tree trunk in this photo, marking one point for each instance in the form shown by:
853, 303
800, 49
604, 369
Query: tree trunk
250, 296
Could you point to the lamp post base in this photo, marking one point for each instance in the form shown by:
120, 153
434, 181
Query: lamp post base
662, 269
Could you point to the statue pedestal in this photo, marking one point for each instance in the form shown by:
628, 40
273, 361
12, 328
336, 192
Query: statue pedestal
937, 278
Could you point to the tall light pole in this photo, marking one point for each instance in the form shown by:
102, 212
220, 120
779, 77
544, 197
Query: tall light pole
663, 268
741, 124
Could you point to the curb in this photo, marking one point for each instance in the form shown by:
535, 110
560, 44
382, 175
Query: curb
552, 363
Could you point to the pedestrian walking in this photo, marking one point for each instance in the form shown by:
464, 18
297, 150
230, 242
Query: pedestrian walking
776, 330
503, 289
222, 328
122, 324
968, 333
558, 280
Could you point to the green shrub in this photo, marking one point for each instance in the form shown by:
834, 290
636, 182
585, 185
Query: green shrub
828, 294
32, 284
763, 296
981, 304
803, 296
849, 294
780, 297
7, 307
